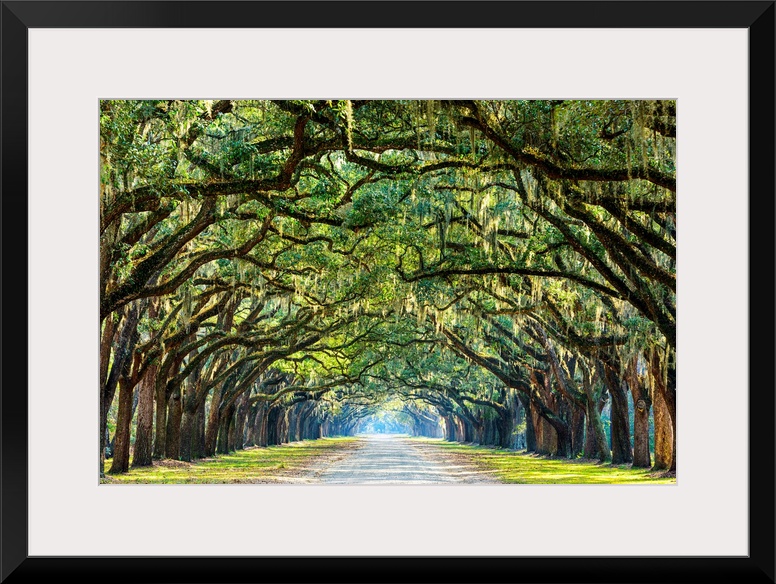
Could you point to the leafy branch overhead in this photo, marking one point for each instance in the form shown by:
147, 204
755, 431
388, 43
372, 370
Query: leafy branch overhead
460, 260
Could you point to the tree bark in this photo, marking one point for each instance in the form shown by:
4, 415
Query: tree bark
449, 429
242, 415
120, 462
641, 406
664, 379
188, 424
261, 438
664, 433
106, 398
577, 431
530, 429
272, 426
553, 433
591, 447
143, 452
174, 414
160, 438
122, 351
224, 425
211, 432
253, 426
505, 429
597, 434
596, 445
670, 398
641, 456
237, 428
198, 444
621, 449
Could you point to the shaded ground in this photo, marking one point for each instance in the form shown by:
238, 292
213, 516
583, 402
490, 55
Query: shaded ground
393, 459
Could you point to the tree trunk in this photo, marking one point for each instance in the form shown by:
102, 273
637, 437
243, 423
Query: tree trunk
467, 431
188, 424
577, 431
272, 426
621, 450
198, 443
530, 429
641, 458
670, 399
505, 429
144, 435
106, 396
124, 344
641, 406
224, 425
596, 435
591, 447
253, 426
175, 412
553, 436
562, 441
234, 438
120, 462
292, 416
664, 378
261, 438
160, 439
552, 432
300, 417
449, 429
283, 427
213, 422
664, 434
242, 415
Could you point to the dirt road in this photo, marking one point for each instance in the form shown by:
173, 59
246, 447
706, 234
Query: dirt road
392, 459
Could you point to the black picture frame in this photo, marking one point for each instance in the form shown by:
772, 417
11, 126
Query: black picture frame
19, 16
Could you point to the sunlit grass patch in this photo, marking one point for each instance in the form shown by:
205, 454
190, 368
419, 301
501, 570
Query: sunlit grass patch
519, 467
253, 464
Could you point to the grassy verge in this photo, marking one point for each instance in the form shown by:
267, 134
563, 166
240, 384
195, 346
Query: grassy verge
286, 463
516, 467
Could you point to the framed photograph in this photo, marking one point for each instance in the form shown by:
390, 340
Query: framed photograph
322, 102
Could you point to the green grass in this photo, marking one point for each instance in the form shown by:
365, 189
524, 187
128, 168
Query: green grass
517, 467
245, 466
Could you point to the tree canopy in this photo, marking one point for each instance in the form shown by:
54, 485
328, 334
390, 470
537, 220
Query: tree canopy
500, 271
